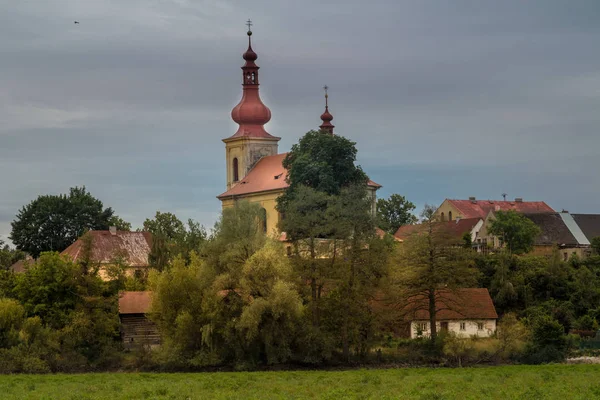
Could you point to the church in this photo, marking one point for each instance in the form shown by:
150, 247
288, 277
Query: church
254, 166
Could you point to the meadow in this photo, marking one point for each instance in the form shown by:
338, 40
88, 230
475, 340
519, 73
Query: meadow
506, 382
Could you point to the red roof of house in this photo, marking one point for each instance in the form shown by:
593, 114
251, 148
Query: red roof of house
268, 174
135, 302
134, 246
455, 228
481, 208
470, 303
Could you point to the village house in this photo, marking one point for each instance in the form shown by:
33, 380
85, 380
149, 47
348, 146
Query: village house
464, 312
111, 247
456, 230
451, 209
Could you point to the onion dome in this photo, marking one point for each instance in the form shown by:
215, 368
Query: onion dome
251, 113
326, 117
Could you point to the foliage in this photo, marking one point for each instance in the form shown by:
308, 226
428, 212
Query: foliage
595, 244
549, 342
395, 212
516, 230
9, 256
119, 223
53, 222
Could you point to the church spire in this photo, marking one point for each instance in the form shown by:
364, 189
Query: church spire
250, 113
326, 117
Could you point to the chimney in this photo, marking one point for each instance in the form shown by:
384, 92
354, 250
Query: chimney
113, 230
472, 199
519, 200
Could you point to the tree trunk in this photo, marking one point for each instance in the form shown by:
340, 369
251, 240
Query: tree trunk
313, 284
432, 315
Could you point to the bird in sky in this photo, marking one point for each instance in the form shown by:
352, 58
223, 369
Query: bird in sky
76, 22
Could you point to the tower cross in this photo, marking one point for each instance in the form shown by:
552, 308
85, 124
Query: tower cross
249, 24
326, 95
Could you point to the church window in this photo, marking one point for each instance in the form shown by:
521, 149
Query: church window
263, 219
443, 217
236, 173
253, 78
449, 215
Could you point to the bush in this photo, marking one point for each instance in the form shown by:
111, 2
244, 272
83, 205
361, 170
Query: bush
549, 342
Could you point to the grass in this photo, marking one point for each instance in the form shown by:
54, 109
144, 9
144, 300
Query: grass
507, 382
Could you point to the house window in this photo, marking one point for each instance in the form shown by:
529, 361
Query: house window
480, 326
449, 215
443, 217
422, 326
236, 173
565, 256
463, 326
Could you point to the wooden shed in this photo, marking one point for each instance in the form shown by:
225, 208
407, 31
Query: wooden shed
136, 328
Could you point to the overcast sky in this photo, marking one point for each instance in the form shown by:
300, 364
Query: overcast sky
445, 99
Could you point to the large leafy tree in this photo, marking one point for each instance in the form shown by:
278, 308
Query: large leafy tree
517, 231
394, 212
9, 256
53, 222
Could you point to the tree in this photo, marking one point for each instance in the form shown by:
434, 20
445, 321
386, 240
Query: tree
53, 222
394, 212
119, 223
429, 268
516, 230
9, 256
595, 243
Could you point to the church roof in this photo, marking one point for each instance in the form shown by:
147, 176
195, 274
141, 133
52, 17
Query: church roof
481, 208
268, 174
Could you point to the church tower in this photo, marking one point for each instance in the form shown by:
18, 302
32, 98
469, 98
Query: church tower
251, 142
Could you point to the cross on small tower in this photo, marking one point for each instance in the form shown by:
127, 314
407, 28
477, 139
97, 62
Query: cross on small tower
249, 24
326, 95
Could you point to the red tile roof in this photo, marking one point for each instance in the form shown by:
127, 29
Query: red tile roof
471, 303
481, 208
20, 266
134, 302
455, 228
268, 174
105, 246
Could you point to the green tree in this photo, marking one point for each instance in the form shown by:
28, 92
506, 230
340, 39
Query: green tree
428, 267
595, 242
395, 212
516, 230
9, 256
119, 223
53, 222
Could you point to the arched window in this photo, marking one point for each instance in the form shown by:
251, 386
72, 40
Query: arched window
236, 173
263, 219
443, 217
449, 215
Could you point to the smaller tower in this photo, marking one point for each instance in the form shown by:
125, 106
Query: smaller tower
326, 117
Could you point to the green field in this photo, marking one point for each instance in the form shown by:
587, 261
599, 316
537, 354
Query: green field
510, 382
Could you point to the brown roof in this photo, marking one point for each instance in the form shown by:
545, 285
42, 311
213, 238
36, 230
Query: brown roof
134, 302
20, 266
589, 224
105, 246
268, 174
455, 228
481, 208
553, 230
471, 303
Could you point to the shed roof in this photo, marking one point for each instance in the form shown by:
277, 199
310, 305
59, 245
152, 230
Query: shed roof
481, 208
468, 303
135, 302
134, 246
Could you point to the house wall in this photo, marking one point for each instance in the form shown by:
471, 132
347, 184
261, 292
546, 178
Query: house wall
248, 152
268, 201
471, 328
445, 209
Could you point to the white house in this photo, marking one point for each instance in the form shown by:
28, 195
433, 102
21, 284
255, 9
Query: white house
466, 312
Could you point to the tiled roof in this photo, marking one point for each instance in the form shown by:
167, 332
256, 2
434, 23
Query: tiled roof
19, 266
455, 228
135, 246
481, 208
268, 174
589, 224
553, 229
470, 303
135, 302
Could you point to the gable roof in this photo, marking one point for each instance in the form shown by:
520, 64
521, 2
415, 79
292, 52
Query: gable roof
469, 303
553, 229
589, 224
481, 208
455, 228
135, 302
267, 174
135, 246
20, 266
